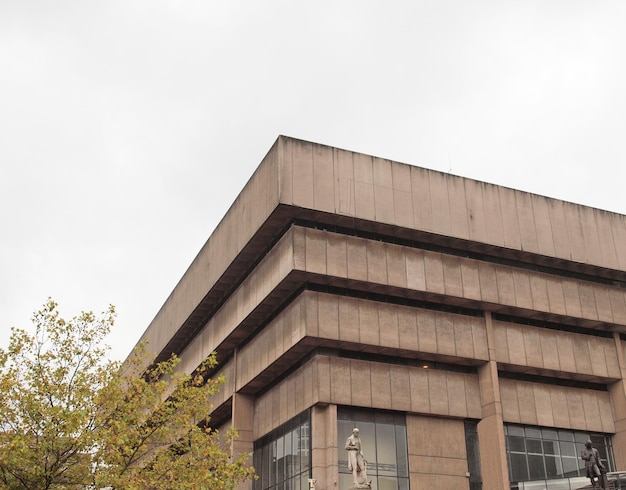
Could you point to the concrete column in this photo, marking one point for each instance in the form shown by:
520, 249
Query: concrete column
242, 420
617, 392
324, 457
493, 463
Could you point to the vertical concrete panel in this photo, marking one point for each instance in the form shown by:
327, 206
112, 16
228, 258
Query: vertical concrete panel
415, 270
559, 407
549, 351
381, 385
438, 392
440, 207
420, 392
324, 379
603, 303
582, 356
605, 238
523, 293
388, 324
543, 402
575, 410
506, 289
369, 330
472, 397
590, 235
400, 388
364, 187
591, 410
493, 214
396, 266
402, 196
340, 391
572, 298
344, 187
360, 383
618, 227
457, 400
433, 270
515, 341
555, 295
348, 320
511, 227
526, 218
479, 336
336, 255
357, 259
471, 280
558, 224
565, 351
315, 253
453, 282
459, 220
488, 283
618, 305
407, 329
543, 226
526, 401
587, 300
383, 191
328, 311
575, 232
323, 178
532, 346
597, 355
606, 413
426, 331
444, 328
302, 183
510, 403
475, 211
463, 339
422, 206
501, 342
539, 290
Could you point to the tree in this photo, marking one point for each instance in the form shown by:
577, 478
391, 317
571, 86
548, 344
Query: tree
71, 419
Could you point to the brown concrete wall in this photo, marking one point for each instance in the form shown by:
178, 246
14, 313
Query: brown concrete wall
353, 184
437, 454
556, 406
524, 345
367, 384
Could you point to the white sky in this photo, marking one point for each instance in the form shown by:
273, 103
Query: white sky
128, 127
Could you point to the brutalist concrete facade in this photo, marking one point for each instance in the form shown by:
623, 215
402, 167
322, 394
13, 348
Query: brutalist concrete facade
332, 268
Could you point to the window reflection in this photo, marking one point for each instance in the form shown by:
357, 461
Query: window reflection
547, 458
383, 438
282, 458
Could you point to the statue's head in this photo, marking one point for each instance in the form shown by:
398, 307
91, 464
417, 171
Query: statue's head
588, 443
355, 432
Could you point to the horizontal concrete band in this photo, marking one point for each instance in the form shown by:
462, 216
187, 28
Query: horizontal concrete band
305, 176
367, 384
314, 255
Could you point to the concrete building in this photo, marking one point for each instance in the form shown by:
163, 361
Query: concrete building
474, 334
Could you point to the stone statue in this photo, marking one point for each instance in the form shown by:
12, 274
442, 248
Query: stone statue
593, 464
356, 461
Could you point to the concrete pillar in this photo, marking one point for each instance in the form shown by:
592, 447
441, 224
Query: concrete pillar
242, 420
493, 463
617, 392
324, 457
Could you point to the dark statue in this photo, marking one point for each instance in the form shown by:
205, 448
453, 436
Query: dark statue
593, 464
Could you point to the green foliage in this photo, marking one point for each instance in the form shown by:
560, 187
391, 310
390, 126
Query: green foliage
71, 419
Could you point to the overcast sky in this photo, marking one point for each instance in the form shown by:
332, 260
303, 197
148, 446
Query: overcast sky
127, 128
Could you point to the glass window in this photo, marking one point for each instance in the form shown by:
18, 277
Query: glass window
282, 458
383, 438
539, 456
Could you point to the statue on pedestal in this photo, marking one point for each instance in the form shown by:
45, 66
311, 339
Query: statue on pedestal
593, 464
356, 461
